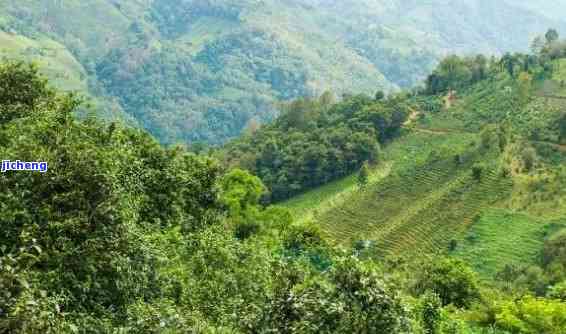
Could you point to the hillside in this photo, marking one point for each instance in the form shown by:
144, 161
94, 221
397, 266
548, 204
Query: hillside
480, 179
453, 224
201, 71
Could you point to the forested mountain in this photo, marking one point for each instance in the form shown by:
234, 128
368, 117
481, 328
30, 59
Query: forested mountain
553, 9
456, 224
202, 70
452, 219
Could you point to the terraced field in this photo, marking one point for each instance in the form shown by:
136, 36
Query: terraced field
428, 201
414, 148
501, 237
421, 196
419, 210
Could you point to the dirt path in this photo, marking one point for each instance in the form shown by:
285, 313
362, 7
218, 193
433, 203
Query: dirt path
437, 131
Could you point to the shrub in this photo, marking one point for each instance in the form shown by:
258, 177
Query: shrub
478, 170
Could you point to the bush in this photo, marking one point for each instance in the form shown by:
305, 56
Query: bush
555, 249
478, 170
558, 291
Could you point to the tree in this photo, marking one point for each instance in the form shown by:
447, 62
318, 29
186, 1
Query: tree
351, 297
379, 95
508, 62
327, 99
430, 309
528, 157
551, 36
24, 92
240, 192
525, 85
74, 247
531, 315
479, 68
554, 250
558, 291
537, 45
363, 175
451, 279
562, 127
488, 137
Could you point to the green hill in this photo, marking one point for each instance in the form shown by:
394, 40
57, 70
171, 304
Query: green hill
454, 222
201, 71
480, 179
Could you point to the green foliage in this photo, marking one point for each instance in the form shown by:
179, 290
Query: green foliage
562, 128
351, 298
75, 235
457, 73
23, 92
478, 170
240, 191
558, 291
451, 279
430, 308
363, 175
418, 200
500, 239
551, 36
531, 315
123, 235
554, 251
299, 238
314, 142
201, 70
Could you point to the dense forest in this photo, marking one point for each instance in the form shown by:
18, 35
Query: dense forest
201, 71
124, 235
317, 140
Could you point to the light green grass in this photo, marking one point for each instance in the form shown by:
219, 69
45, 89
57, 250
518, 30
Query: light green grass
418, 199
322, 199
499, 238
201, 33
560, 70
53, 59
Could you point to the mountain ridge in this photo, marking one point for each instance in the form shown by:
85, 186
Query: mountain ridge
201, 71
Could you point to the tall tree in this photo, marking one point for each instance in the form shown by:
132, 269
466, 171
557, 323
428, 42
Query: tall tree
551, 36
537, 45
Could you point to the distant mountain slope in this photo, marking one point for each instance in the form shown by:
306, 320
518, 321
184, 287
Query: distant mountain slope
553, 9
200, 70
